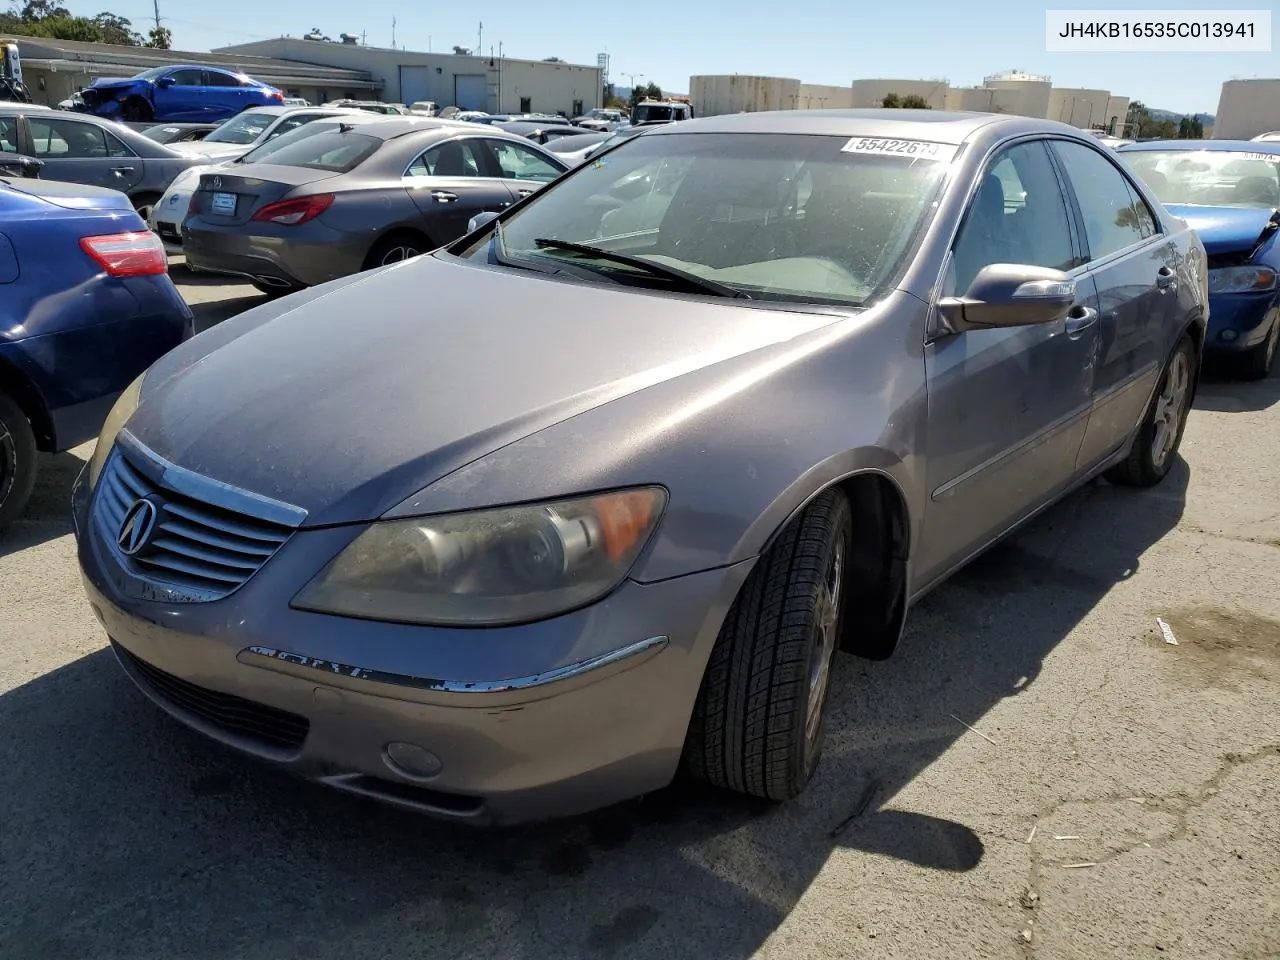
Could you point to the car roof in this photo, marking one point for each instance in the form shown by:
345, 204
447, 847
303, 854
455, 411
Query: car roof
1223, 146
391, 126
939, 126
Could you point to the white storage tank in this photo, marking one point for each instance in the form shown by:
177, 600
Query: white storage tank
716, 94
1247, 108
1018, 93
818, 96
1079, 107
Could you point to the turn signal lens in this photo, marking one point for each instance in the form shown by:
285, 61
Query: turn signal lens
128, 254
1247, 279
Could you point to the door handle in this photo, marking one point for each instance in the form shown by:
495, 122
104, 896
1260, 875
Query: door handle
118, 171
1080, 320
1166, 279
443, 196
525, 192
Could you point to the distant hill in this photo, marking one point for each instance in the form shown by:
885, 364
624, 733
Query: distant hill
1204, 118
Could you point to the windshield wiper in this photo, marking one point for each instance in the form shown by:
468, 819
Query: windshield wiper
498, 250
648, 266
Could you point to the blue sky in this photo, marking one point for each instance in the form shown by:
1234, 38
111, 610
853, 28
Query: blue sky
817, 41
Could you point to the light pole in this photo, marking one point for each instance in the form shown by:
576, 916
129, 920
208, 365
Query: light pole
632, 78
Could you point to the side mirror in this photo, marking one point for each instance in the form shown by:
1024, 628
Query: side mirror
481, 220
166, 82
1010, 295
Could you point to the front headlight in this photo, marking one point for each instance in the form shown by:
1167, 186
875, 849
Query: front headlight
489, 567
1242, 280
116, 419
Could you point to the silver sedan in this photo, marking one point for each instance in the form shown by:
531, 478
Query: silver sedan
366, 194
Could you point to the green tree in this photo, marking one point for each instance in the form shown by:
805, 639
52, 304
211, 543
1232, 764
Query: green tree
160, 38
913, 101
1138, 122
44, 18
1190, 128
891, 101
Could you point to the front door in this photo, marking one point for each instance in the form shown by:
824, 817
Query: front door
1134, 268
81, 151
183, 98
1007, 407
450, 183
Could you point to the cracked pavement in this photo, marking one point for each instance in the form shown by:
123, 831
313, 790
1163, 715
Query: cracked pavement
1117, 798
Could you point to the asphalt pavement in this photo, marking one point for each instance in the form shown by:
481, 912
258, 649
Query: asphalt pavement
1038, 772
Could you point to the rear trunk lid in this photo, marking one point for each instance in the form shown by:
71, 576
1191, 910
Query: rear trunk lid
71, 196
233, 198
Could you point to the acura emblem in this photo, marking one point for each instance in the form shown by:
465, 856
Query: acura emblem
139, 523
217, 183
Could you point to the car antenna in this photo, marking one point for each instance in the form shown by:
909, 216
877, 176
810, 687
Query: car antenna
345, 127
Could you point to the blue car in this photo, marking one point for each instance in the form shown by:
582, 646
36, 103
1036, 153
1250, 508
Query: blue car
1229, 192
86, 305
173, 94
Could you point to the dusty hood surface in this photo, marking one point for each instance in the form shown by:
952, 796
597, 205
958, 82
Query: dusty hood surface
363, 395
1226, 229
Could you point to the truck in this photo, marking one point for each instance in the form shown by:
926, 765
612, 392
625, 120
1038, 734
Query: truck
666, 110
12, 89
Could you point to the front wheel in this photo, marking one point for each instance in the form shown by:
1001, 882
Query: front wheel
758, 725
397, 247
17, 461
1255, 363
1160, 433
137, 110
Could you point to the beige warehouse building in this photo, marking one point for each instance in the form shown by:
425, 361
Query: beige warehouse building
492, 84
1247, 108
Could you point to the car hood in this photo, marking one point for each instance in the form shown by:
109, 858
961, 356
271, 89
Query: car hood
367, 393
1226, 229
213, 151
101, 82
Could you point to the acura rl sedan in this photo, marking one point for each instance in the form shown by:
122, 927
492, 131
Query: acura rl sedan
525, 526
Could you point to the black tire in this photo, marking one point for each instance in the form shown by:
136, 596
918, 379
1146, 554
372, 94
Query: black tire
273, 292
17, 461
137, 110
752, 728
397, 247
1256, 362
1145, 466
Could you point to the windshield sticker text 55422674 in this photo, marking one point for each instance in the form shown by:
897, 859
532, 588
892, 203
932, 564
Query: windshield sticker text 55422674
907, 149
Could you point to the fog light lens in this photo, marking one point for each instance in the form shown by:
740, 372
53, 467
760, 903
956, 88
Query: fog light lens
412, 761
1228, 335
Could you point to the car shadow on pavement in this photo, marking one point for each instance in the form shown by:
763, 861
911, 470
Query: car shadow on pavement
1220, 390
127, 836
48, 514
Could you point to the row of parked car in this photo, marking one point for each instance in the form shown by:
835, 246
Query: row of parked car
517, 482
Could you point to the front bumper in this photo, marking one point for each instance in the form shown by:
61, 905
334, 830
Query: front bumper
287, 258
167, 217
598, 713
1240, 321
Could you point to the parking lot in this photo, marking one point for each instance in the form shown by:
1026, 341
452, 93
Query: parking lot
1036, 772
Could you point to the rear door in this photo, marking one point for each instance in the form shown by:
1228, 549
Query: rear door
80, 151
451, 182
224, 95
1007, 407
1133, 267
524, 169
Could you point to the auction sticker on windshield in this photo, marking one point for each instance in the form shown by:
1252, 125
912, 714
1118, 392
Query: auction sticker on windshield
910, 149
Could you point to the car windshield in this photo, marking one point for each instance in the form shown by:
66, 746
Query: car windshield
1215, 178
331, 150
648, 112
793, 218
151, 74
245, 128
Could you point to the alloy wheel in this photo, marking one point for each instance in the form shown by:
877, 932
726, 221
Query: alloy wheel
8, 462
396, 254
827, 623
1171, 407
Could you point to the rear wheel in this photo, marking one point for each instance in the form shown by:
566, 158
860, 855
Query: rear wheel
270, 291
145, 204
759, 722
396, 247
1160, 433
1256, 363
17, 461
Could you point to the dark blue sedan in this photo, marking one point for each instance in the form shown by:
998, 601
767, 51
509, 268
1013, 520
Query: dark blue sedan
174, 93
1229, 192
86, 305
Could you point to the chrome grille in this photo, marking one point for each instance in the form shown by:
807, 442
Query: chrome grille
204, 549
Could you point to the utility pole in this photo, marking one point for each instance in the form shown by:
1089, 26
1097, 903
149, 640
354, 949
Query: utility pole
632, 77
157, 9
363, 34
480, 40
393, 33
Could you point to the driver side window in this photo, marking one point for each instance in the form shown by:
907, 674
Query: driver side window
1018, 216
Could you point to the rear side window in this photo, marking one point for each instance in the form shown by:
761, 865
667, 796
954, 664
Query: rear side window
72, 140
9, 134
456, 158
215, 79
1113, 214
332, 150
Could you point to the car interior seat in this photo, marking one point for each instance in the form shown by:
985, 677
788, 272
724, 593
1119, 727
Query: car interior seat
986, 235
1257, 190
